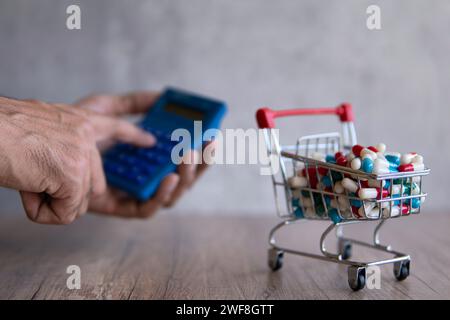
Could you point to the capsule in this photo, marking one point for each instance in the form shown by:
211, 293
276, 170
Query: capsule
350, 156
367, 165
330, 159
379, 168
366, 208
411, 167
369, 153
391, 212
418, 159
310, 213
381, 156
297, 182
381, 147
318, 156
338, 155
372, 193
334, 203
343, 202
350, 185
372, 148
355, 211
307, 202
338, 188
374, 213
355, 202
342, 161
356, 149
356, 164
407, 158
334, 216
298, 212
326, 181
322, 171
414, 202
392, 158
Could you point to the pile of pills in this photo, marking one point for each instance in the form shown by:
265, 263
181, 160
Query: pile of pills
350, 196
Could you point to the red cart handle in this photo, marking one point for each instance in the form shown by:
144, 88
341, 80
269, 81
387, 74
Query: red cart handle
265, 116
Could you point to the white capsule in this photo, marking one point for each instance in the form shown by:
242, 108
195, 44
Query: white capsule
396, 189
318, 156
350, 185
299, 166
334, 204
310, 213
380, 169
387, 212
374, 213
381, 147
381, 156
381, 163
368, 208
297, 182
356, 164
368, 193
418, 166
307, 202
296, 193
418, 159
415, 189
384, 204
350, 156
367, 152
343, 202
406, 158
338, 188
347, 214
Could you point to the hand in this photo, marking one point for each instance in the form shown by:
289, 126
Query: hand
48, 152
116, 203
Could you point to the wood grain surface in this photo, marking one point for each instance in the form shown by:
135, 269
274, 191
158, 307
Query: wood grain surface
216, 257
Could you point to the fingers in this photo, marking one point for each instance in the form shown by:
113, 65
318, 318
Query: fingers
111, 203
187, 173
98, 180
40, 210
131, 103
111, 128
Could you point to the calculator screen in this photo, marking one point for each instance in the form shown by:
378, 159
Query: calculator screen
183, 111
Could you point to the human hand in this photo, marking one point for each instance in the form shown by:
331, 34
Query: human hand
48, 152
115, 203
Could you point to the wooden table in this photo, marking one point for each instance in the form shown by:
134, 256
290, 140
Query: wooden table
216, 257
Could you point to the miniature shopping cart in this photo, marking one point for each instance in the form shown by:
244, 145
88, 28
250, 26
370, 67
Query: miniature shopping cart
286, 159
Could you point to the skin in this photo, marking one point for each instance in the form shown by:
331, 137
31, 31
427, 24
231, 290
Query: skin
50, 153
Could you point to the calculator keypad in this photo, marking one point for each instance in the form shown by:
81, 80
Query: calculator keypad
136, 164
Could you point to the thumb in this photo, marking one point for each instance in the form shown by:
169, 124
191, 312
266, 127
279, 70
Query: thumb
124, 131
31, 203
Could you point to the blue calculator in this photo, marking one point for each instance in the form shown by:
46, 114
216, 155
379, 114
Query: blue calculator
138, 171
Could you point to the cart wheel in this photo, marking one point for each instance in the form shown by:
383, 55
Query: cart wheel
275, 259
356, 277
345, 249
401, 269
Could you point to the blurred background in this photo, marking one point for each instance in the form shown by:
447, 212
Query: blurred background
250, 53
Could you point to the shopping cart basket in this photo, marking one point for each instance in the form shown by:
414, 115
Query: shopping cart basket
300, 156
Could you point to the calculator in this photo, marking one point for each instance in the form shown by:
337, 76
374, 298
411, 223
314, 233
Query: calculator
138, 171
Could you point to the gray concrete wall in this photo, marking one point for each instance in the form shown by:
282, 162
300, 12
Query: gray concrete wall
251, 53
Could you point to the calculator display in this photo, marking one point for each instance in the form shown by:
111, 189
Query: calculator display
183, 111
